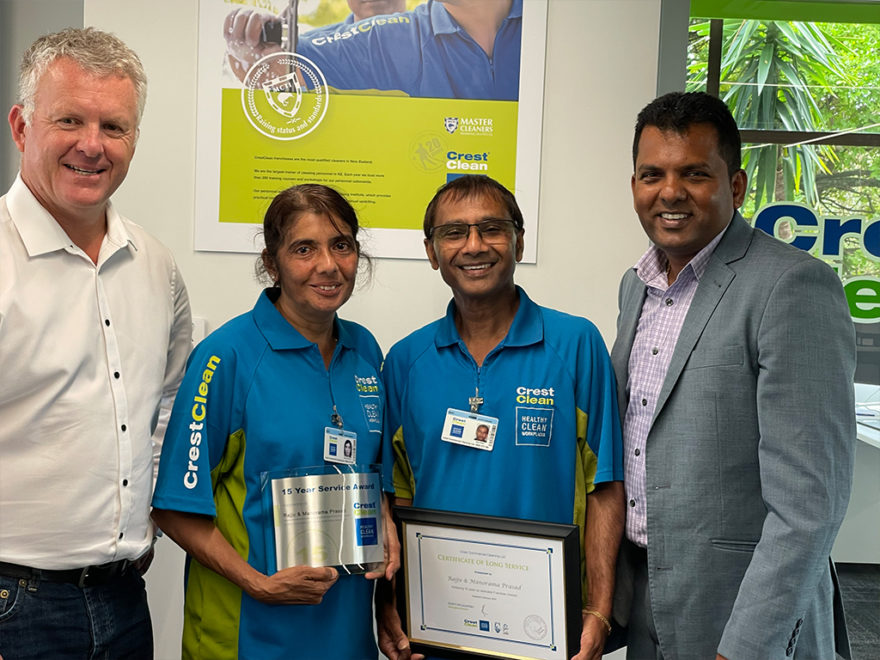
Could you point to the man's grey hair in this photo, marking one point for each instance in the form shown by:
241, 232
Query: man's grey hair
99, 53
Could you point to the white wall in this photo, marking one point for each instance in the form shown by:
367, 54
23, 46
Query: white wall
597, 78
21, 22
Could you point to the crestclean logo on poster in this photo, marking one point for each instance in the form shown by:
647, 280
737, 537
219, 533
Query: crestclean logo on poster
469, 125
456, 160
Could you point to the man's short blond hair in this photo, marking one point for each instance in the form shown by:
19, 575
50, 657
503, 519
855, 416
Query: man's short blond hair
97, 52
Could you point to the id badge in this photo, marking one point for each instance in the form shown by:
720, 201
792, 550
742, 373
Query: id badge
340, 446
469, 429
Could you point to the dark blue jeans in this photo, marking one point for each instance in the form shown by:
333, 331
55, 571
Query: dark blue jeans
41, 620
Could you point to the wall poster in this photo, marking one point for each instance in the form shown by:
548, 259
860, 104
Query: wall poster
382, 107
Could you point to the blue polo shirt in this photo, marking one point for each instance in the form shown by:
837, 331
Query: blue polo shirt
257, 397
551, 386
423, 52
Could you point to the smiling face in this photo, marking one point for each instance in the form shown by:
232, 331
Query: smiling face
76, 149
315, 267
682, 191
476, 269
482, 433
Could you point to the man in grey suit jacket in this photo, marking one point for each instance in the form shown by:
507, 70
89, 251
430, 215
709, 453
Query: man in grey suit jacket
734, 357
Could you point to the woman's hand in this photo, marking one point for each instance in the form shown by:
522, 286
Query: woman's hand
198, 535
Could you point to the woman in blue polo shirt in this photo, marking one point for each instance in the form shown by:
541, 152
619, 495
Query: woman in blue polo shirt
268, 391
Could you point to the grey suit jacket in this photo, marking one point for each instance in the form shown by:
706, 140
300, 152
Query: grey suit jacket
749, 457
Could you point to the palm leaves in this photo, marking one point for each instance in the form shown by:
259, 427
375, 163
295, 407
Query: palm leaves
775, 75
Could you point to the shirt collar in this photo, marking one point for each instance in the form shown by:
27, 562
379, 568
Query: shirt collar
653, 263
278, 331
527, 327
41, 233
443, 23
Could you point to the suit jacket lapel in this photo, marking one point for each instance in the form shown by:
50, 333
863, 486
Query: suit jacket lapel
711, 288
632, 297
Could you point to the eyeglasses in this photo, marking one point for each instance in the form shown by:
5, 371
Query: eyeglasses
456, 233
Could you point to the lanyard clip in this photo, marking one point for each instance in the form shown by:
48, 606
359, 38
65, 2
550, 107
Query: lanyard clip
336, 418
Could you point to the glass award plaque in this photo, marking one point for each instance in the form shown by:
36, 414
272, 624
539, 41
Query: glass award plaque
327, 515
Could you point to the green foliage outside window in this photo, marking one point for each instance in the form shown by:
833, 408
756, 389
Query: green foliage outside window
797, 76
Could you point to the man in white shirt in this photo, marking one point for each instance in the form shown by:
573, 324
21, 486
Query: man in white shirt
94, 333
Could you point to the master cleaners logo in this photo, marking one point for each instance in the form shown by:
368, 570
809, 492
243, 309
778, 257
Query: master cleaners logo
469, 125
284, 96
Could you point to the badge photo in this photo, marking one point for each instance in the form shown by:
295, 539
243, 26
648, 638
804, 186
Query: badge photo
340, 446
469, 429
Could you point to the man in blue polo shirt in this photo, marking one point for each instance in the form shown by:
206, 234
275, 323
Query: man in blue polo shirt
441, 49
540, 381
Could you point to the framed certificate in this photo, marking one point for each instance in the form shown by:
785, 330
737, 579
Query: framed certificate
482, 587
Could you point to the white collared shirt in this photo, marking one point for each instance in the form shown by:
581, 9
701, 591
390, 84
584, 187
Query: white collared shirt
91, 356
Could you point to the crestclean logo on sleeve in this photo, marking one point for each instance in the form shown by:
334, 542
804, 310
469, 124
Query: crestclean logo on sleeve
197, 424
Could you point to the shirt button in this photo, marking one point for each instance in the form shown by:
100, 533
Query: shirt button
637, 451
644, 402
125, 482
632, 503
668, 303
655, 350
120, 535
107, 322
123, 427
116, 374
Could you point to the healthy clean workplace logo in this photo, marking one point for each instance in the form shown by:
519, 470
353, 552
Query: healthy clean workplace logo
284, 96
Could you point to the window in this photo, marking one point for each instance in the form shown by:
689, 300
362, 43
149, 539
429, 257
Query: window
803, 81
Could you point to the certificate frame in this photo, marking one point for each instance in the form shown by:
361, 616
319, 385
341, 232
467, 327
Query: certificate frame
485, 542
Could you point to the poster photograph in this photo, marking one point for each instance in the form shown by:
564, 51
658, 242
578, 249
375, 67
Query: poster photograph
384, 107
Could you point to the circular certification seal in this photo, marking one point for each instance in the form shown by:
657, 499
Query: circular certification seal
284, 96
535, 627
